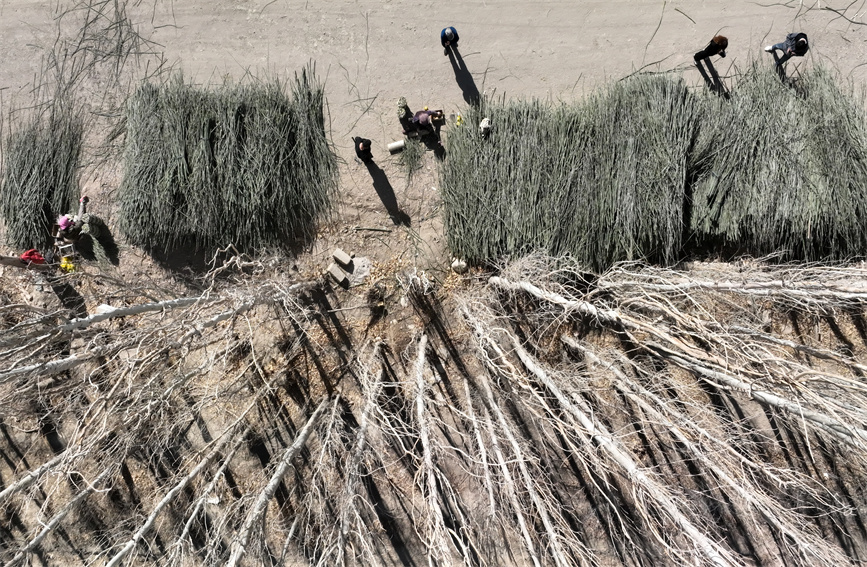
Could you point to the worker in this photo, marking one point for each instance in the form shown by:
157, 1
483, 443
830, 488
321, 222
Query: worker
795, 45
449, 39
362, 149
70, 226
717, 46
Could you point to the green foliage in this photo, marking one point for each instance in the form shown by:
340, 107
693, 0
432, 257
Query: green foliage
602, 180
648, 170
410, 159
240, 164
781, 168
41, 174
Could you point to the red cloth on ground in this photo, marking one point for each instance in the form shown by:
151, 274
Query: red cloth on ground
33, 256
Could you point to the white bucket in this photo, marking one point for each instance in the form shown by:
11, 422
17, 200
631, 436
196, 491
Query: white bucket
396, 147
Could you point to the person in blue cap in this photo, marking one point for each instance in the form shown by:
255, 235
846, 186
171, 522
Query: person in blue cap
449, 39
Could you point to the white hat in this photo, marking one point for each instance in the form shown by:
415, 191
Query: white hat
450, 34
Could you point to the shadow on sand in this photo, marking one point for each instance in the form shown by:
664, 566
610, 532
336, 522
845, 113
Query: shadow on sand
463, 77
383, 188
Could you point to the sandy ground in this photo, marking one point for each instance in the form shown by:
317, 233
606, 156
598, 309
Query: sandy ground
370, 52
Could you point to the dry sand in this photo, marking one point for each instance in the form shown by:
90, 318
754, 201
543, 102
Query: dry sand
370, 52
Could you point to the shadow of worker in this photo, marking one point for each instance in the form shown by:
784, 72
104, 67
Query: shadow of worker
463, 77
383, 188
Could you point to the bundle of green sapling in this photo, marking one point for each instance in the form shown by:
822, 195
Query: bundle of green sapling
316, 163
835, 207
240, 164
630, 176
602, 180
782, 169
41, 173
497, 189
410, 158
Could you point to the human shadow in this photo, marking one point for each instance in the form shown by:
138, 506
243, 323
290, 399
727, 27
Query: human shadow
69, 297
463, 77
433, 142
383, 188
100, 244
429, 135
713, 82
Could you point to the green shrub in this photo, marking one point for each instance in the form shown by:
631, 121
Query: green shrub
647, 170
41, 174
602, 180
240, 164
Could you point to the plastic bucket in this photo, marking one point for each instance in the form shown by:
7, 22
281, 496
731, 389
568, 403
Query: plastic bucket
396, 147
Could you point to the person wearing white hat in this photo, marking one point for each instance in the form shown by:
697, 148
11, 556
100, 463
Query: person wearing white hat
449, 39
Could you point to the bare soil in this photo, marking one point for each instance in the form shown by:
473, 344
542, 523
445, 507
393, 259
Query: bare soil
369, 53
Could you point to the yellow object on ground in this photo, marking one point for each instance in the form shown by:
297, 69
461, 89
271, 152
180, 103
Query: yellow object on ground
67, 265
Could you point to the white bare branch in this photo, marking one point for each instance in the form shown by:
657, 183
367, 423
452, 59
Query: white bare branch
257, 511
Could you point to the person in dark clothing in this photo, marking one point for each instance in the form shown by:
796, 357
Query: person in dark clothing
362, 149
422, 120
717, 46
428, 120
404, 115
449, 39
796, 44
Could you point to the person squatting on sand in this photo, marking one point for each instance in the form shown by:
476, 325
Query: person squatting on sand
796, 44
69, 227
426, 120
362, 149
449, 39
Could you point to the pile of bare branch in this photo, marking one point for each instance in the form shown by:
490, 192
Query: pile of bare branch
149, 393
711, 416
725, 438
